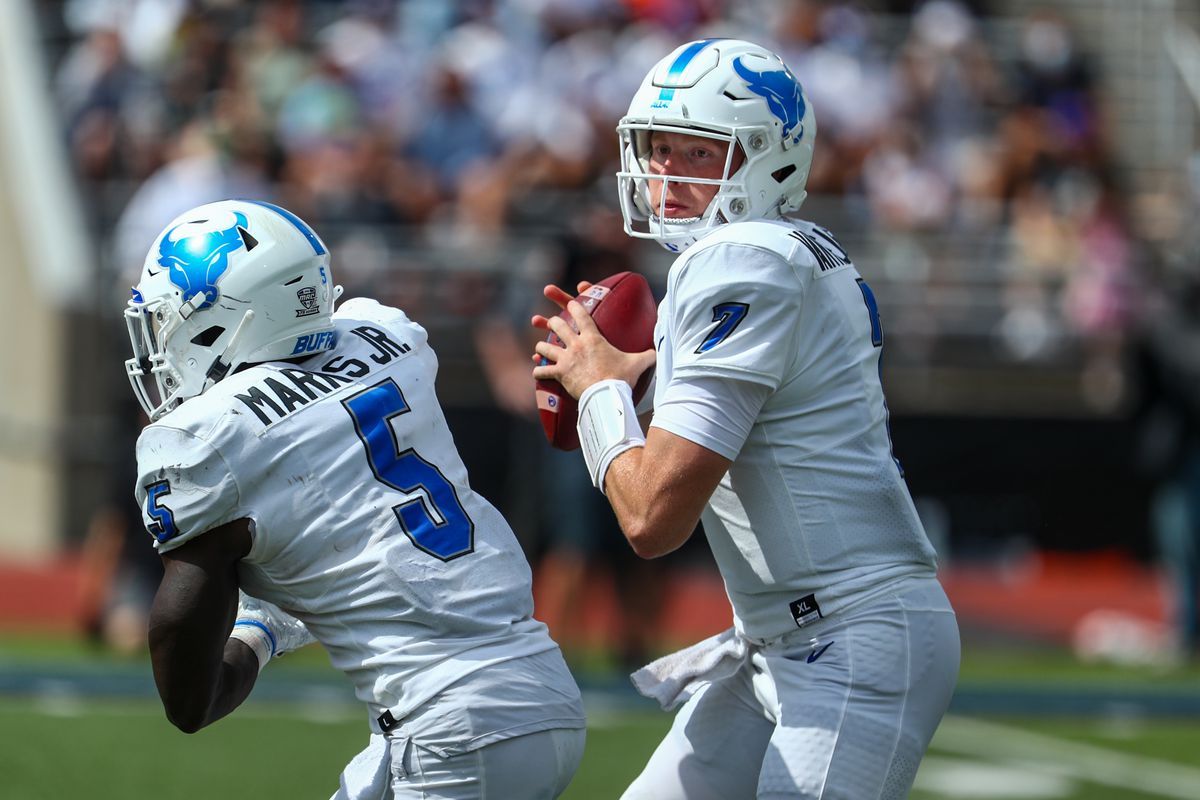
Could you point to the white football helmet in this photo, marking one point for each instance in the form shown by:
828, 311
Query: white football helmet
226, 284
732, 91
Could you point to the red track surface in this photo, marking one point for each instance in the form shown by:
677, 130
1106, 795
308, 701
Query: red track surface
40, 597
1043, 595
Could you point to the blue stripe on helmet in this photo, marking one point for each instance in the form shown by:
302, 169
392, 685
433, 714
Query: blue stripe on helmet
301, 226
680, 65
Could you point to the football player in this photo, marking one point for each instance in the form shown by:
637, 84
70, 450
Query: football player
299, 455
770, 425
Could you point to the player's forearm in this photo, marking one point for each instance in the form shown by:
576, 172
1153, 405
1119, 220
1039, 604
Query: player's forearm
239, 671
200, 678
196, 688
652, 516
659, 490
201, 675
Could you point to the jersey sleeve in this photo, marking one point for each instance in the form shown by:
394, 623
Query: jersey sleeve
735, 315
184, 486
715, 413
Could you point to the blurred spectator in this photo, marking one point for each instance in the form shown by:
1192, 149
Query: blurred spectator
846, 79
194, 173
322, 109
1053, 76
948, 79
904, 193
95, 83
271, 56
146, 28
453, 136
582, 542
120, 570
584, 547
1169, 362
388, 81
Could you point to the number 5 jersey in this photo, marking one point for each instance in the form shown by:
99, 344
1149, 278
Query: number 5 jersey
364, 524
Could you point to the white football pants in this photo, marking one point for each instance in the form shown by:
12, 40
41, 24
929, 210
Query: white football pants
536, 766
842, 709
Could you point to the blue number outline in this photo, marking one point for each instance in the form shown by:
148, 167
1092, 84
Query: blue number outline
163, 527
877, 340
406, 471
872, 312
727, 316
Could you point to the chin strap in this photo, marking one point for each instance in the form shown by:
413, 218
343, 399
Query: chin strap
607, 426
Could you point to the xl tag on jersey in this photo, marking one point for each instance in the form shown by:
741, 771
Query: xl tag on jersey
805, 610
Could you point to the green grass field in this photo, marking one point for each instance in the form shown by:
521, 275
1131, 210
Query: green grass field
58, 740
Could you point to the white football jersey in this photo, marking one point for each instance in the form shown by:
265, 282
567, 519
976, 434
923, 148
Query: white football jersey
364, 525
768, 353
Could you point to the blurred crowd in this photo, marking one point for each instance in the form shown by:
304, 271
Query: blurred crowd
419, 131
457, 155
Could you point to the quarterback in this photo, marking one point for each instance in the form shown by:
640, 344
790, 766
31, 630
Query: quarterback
769, 424
300, 483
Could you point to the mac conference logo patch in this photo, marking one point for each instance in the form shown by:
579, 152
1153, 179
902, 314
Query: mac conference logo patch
308, 299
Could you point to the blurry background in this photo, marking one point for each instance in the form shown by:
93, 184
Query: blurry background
1018, 181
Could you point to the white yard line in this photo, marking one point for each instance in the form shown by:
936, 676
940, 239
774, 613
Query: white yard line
1051, 754
971, 779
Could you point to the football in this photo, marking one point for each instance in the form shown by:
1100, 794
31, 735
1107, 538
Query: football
624, 310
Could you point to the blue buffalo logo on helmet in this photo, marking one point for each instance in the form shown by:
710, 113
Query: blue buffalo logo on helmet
196, 254
782, 92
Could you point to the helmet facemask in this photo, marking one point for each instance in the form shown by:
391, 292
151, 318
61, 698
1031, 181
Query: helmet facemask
643, 219
174, 356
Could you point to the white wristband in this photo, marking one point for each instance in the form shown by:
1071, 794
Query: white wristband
257, 636
607, 426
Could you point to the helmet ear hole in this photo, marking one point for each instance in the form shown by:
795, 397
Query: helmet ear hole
208, 336
783, 173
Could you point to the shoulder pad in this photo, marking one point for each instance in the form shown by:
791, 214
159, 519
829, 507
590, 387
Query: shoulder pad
365, 309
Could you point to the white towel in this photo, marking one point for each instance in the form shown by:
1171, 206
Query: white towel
674, 678
368, 776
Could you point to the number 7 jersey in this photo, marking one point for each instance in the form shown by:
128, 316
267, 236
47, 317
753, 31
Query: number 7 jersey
768, 347
364, 524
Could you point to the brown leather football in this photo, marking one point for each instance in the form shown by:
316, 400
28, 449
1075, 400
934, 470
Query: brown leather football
624, 310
